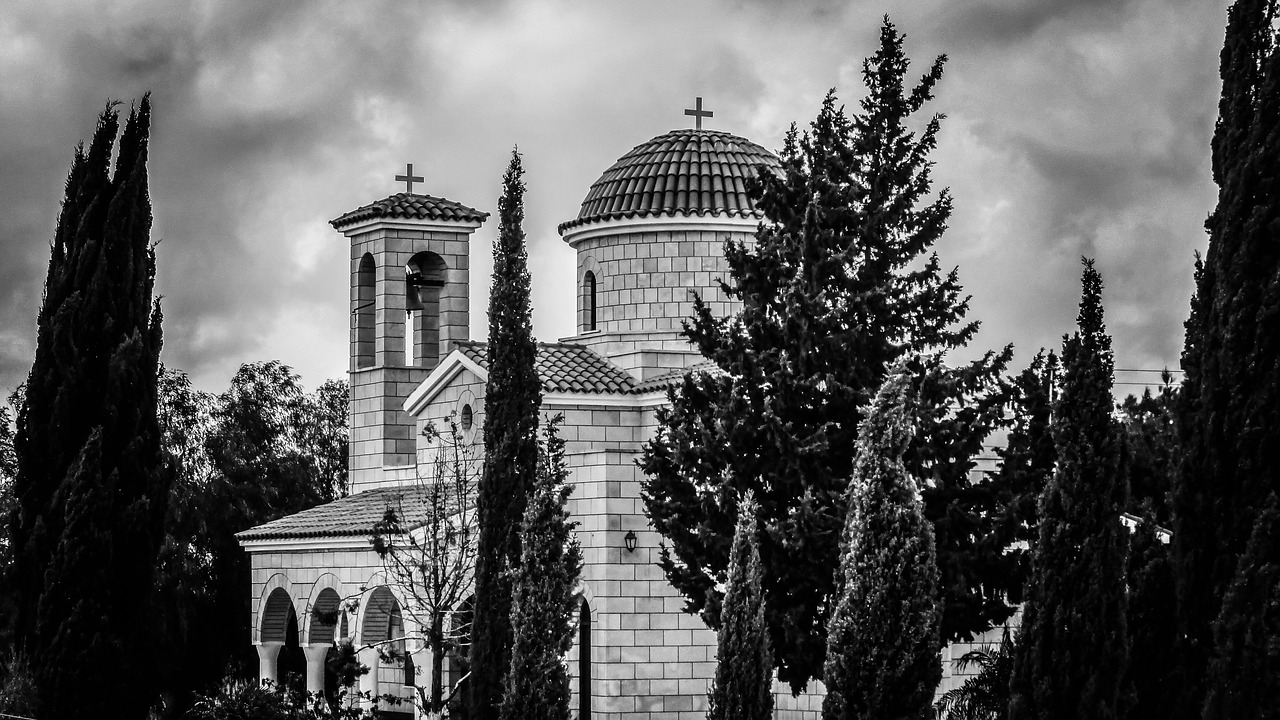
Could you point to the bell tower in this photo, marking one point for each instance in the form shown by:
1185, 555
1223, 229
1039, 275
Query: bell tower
409, 303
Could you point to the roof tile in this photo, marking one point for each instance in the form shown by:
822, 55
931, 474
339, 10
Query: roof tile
351, 516
415, 206
680, 173
565, 367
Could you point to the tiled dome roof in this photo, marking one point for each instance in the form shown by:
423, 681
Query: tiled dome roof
681, 173
406, 205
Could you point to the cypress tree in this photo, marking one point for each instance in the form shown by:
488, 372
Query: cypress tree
1153, 625
882, 646
1073, 649
1229, 408
743, 685
1244, 675
91, 490
838, 284
512, 397
544, 595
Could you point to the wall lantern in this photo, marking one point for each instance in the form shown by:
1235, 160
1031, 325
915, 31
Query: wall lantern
630, 540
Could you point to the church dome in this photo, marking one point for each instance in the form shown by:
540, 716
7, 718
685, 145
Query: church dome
680, 173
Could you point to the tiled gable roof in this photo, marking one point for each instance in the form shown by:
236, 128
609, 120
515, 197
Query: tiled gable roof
415, 206
564, 367
672, 378
354, 515
680, 173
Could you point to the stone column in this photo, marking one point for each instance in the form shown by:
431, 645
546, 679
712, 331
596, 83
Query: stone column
316, 654
369, 681
267, 654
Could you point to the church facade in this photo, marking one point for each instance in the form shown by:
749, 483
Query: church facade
648, 236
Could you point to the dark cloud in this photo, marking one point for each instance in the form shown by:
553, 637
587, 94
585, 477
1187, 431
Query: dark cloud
1075, 126
1010, 21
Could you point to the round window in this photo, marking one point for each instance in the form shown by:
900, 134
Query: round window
466, 418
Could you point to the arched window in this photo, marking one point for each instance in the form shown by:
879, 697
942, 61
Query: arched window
584, 661
424, 282
362, 314
324, 617
589, 304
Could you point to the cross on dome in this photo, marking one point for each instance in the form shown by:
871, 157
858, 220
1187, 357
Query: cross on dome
698, 113
409, 178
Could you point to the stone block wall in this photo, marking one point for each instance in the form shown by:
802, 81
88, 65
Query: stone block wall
649, 659
645, 280
382, 434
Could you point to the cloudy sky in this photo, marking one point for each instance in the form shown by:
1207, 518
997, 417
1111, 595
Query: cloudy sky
1074, 127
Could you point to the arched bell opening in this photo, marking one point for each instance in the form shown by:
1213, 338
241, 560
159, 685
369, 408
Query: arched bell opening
425, 275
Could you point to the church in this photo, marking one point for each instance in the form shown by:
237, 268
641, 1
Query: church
648, 236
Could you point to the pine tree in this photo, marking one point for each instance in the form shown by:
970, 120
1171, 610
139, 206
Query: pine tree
1244, 675
837, 285
1229, 410
1026, 465
743, 685
512, 397
883, 643
544, 595
1073, 649
91, 490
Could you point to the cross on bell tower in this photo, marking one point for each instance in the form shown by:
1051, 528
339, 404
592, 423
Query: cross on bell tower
698, 113
409, 178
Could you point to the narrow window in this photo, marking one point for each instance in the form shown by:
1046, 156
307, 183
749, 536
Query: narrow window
362, 315
584, 662
468, 417
589, 301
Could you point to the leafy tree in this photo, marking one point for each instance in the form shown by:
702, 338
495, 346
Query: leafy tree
1229, 409
249, 455
984, 696
836, 286
512, 397
882, 645
1073, 648
236, 699
90, 486
324, 436
428, 548
743, 686
544, 595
